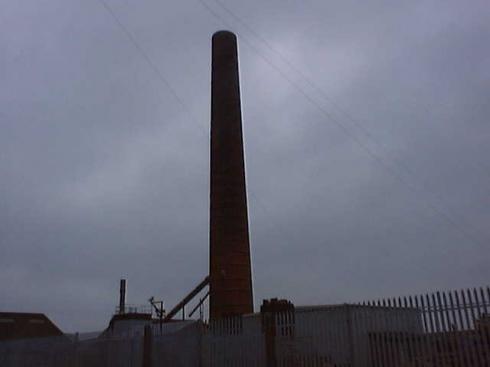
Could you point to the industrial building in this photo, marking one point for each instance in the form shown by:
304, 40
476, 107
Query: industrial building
19, 325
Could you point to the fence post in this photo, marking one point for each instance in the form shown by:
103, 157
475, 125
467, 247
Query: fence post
270, 310
147, 346
269, 328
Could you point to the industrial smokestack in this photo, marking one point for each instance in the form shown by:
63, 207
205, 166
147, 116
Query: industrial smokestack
230, 269
122, 296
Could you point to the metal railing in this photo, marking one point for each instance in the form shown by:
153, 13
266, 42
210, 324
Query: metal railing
132, 309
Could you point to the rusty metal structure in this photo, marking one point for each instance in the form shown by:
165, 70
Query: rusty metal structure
229, 269
186, 300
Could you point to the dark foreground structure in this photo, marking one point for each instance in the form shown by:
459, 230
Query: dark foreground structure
230, 272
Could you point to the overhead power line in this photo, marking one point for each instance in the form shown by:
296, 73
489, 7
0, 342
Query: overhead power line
142, 51
340, 125
326, 113
320, 90
132, 39
157, 71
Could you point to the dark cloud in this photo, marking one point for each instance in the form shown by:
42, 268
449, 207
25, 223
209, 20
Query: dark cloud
373, 184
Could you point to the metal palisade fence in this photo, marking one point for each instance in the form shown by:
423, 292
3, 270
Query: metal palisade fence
454, 331
431, 330
440, 329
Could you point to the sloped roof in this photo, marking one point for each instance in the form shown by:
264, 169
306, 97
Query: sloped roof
21, 325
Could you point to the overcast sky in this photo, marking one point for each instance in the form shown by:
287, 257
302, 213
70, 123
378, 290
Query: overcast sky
367, 139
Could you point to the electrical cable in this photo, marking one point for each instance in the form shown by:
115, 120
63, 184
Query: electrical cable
315, 86
346, 131
148, 60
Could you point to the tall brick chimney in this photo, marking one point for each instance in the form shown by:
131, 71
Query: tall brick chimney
229, 269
